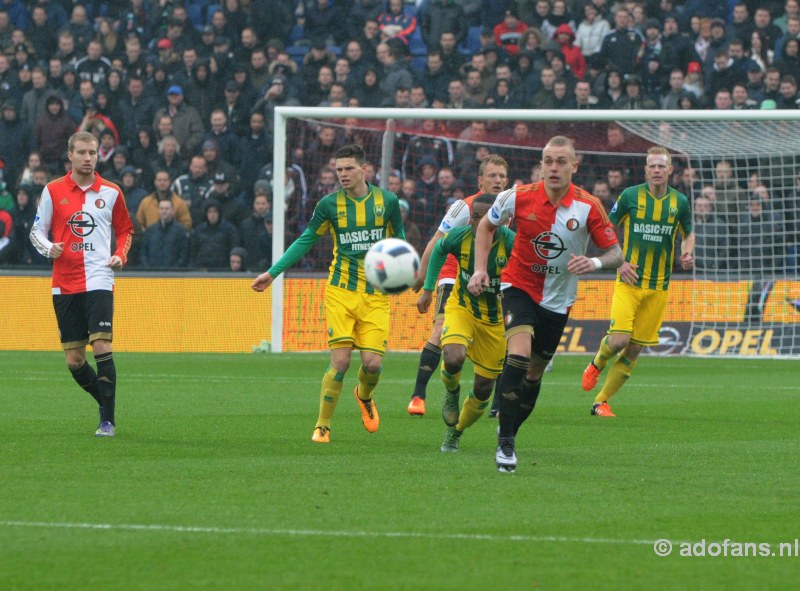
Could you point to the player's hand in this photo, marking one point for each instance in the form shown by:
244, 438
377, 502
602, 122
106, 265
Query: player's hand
628, 274
424, 301
418, 283
115, 262
477, 283
56, 250
580, 265
262, 282
687, 261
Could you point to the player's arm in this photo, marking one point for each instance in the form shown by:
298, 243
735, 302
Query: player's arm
293, 254
687, 251
123, 231
501, 211
457, 215
602, 234
437, 256
41, 228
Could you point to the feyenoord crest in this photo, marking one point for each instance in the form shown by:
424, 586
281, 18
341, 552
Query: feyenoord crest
99, 203
379, 211
81, 223
573, 224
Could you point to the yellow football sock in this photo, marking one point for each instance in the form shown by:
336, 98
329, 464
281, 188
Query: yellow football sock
366, 383
451, 380
471, 411
332, 383
617, 376
603, 354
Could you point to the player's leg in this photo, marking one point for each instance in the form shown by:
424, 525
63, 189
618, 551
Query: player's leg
454, 354
431, 353
340, 320
457, 334
371, 334
520, 320
70, 313
100, 314
624, 304
486, 350
646, 326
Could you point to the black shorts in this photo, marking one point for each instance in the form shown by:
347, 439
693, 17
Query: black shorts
442, 293
522, 314
84, 317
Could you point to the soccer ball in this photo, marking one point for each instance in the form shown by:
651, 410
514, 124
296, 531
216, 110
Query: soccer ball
391, 265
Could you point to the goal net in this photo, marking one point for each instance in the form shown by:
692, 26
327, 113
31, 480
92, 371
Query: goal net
740, 171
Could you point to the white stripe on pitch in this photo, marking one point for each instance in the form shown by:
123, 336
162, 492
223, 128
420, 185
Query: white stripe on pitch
187, 529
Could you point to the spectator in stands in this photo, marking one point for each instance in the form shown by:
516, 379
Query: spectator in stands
148, 212
591, 31
788, 98
370, 93
94, 66
51, 133
222, 191
165, 243
634, 98
613, 90
427, 189
584, 99
760, 247
34, 101
731, 199
213, 240
573, 57
216, 164
711, 248
544, 98
508, 32
602, 191
186, 124
169, 157
395, 23
133, 191
194, 187
238, 260
671, 98
15, 143
759, 53
541, 18
441, 16
256, 229
789, 61
23, 216
226, 141
791, 9
740, 99
763, 24
622, 48
755, 84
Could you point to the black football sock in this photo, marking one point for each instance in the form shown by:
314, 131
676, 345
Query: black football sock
428, 362
107, 381
529, 394
510, 386
496, 398
86, 378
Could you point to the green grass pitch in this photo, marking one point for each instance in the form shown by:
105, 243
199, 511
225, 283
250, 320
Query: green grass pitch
213, 483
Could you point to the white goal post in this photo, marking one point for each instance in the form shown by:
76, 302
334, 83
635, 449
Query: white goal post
766, 141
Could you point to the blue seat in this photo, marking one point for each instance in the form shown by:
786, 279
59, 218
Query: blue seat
418, 63
297, 53
416, 46
473, 42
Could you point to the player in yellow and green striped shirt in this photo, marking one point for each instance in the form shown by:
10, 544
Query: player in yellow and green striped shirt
356, 216
652, 213
473, 325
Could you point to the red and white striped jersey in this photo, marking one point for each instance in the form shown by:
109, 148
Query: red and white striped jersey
457, 215
84, 222
547, 236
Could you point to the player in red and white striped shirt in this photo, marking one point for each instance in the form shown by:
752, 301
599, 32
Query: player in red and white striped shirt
555, 220
83, 212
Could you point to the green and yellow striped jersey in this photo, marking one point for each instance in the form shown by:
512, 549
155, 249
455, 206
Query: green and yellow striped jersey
355, 225
650, 224
460, 242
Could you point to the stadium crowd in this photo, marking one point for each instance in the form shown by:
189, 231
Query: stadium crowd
182, 95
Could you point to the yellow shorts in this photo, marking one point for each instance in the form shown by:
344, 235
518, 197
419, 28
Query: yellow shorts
356, 319
637, 311
485, 343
